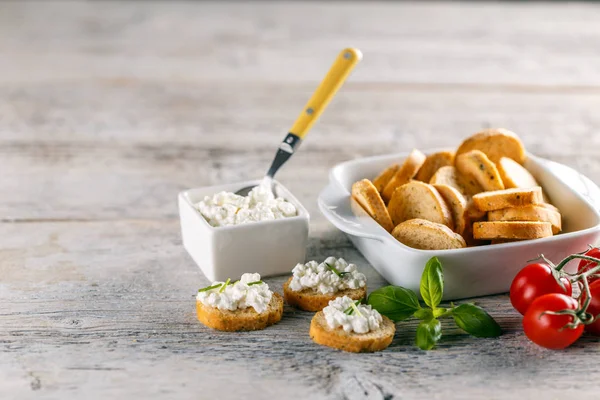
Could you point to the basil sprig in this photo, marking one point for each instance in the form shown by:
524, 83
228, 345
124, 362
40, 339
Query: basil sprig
432, 283
428, 334
398, 303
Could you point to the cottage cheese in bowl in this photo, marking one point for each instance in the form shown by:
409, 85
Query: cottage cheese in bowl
249, 291
348, 314
329, 277
227, 208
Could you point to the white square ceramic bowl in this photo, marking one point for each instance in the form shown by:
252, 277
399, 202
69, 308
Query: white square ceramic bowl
266, 247
473, 271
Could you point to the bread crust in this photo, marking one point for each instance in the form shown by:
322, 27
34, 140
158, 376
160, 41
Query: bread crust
240, 320
495, 143
419, 200
511, 230
369, 342
405, 173
508, 198
426, 235
476, 164
528, 213
432, 163
309, 300
384, 177
365, 193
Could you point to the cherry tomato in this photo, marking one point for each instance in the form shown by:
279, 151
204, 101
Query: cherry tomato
594, 307
549, 330
533, 281
585, 265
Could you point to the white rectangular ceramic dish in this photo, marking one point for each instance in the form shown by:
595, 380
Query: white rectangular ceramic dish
266, 247
473, 271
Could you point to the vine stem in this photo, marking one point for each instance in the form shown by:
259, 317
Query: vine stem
592, 271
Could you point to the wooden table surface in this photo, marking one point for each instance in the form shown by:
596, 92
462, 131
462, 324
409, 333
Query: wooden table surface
109, 109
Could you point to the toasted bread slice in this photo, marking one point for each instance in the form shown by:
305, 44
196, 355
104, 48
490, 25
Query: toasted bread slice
476, 164
246, 319
528, 213
405, 173
471, 215
310, 300
514, 175
432, 163
321, 333
508, 198
549, 206
384, 177
426, 235
511, 230
457, 204
502, 241
369, 198
450, 176
495, 143
419, 200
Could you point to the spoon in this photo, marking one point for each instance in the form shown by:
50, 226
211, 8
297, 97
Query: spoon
339, 71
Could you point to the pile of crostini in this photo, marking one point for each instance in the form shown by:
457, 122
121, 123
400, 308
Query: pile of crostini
479, 194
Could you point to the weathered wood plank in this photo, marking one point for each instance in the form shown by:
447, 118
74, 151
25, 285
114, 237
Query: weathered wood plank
107, 110
406, 42
98, 306
67, 153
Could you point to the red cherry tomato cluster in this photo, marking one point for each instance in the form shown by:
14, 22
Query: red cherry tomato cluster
542, 293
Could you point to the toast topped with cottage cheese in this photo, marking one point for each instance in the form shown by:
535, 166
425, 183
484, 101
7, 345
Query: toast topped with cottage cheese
347, 325
244, 305
313, 285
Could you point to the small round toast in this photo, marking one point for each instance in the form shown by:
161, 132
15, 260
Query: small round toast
450, 176
419, 200
528, 213
405, 173
432, 163
495, 143
369, 198
514, 175
508, 198
384, 177
246, 319
511, 230
457, 204
321, 333
310, 300
476, 164
426, 235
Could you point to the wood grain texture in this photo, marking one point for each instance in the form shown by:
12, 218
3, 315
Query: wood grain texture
108, 109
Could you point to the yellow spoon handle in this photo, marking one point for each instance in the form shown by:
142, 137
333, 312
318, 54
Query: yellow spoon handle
341, 68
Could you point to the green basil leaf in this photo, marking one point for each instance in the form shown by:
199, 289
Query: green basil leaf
395, 302
428, 334
424, 313
475, 321
432, 282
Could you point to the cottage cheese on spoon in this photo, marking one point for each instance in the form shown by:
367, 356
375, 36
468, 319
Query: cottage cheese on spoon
226, 208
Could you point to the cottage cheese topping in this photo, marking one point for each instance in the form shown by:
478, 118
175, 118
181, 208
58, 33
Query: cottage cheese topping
238, 295
323, 279
226, 208
338, 314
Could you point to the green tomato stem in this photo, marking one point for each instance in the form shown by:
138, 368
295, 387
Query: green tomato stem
592, 271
